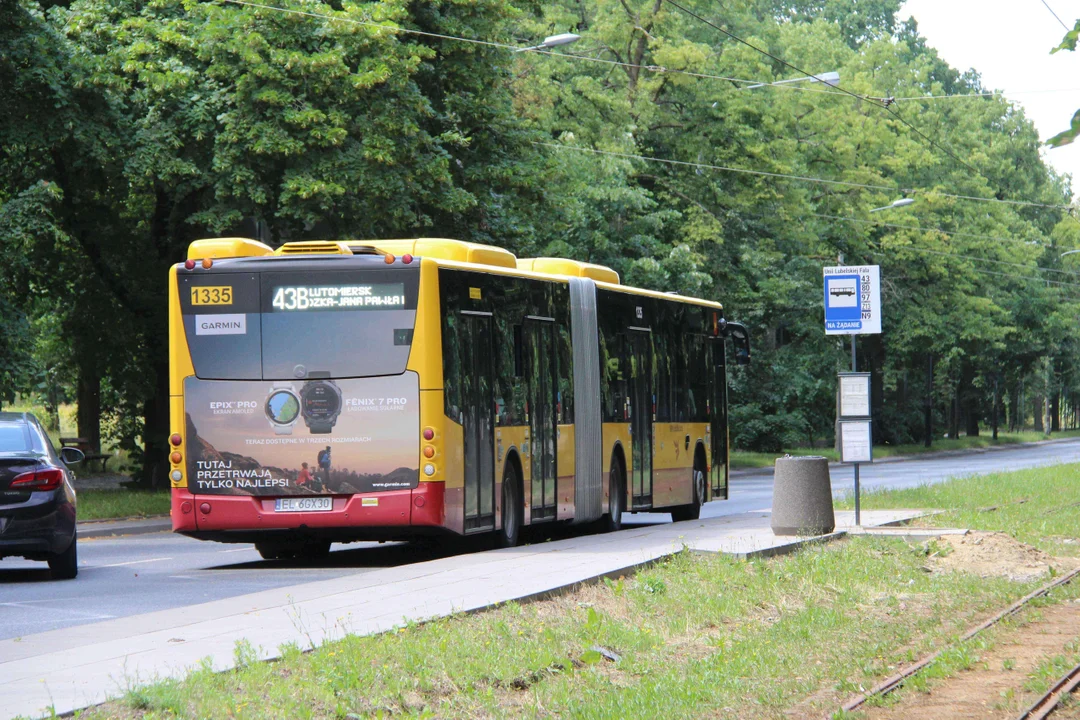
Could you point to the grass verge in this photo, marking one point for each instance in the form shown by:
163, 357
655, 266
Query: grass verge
694, 636
742, 459
110, 504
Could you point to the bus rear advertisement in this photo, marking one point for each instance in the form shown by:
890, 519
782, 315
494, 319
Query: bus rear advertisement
341, 391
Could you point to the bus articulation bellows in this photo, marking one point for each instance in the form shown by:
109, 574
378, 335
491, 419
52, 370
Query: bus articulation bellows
341, 391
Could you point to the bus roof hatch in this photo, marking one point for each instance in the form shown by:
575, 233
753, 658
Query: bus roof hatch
443, 249
572, 268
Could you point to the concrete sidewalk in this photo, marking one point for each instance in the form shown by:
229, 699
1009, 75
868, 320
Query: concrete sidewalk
81, 666
131, 526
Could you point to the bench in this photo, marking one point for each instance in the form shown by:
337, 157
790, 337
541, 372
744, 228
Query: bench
83, 444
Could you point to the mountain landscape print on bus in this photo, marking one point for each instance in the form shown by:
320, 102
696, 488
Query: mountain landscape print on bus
316, 436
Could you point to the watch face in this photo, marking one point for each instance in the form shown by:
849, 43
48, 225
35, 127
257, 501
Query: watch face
321, 401
282, 407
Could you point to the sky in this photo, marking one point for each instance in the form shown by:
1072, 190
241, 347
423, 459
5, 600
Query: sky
1008, 43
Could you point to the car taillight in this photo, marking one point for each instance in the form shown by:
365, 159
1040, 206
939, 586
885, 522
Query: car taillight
38, 480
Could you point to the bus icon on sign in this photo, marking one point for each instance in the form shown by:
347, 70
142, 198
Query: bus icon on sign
842, 306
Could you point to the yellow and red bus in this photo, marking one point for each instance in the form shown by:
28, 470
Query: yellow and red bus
373, 390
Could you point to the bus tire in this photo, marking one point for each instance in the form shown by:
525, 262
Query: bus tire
513, 511
272, 550
612, 521
693, 510
315, 549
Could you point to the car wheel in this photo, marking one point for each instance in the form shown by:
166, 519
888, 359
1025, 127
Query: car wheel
616, 499
65, 565
512, 510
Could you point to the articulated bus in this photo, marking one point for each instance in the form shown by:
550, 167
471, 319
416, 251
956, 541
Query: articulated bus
383, 390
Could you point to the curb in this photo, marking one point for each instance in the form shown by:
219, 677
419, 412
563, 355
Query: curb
112, 528
748, 472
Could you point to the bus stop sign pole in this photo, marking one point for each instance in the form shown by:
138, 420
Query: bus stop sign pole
853, 307
858, 515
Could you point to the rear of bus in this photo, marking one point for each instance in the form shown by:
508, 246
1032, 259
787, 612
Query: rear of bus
296, 405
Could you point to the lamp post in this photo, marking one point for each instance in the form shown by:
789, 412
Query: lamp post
552, 41
895, 204
831, 78
1069, 252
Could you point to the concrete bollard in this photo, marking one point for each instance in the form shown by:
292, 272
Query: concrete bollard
802, 497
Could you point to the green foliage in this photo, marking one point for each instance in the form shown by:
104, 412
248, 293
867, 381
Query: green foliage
177, 119
1067, 136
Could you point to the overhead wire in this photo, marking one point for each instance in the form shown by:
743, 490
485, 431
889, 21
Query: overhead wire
1029, 278
954, 233
994, 93
657, 69
1067, 28
862, 98
803, 178
974, 258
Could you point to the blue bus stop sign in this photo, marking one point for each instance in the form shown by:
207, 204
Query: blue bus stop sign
852, 300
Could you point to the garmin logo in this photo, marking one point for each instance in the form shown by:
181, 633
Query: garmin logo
229, 324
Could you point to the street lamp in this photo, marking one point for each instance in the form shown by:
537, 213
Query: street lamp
1070, 252
552, 41
830, 78
895, 204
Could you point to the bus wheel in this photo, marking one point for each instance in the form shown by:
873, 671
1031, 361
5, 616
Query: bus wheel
616, 499
693, 510
272, 550
315, 550
512, 510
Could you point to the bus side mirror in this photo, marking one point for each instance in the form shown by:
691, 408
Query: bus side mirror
740, 341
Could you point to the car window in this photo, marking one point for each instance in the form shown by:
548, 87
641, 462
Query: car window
14, 437
40, 439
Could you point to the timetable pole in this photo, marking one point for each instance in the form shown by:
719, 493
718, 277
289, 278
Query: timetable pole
858, 518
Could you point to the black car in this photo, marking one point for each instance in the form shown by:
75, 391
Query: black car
37, 500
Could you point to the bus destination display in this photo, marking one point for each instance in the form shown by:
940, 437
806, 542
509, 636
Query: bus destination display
379, 296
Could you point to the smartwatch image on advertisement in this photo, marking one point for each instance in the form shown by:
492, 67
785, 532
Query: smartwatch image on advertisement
282, 408
320, 403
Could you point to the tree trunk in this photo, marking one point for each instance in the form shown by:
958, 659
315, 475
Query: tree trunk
1038, 415
1055, 413
954, 415
155, 465
928, 409
88, 413
994, 413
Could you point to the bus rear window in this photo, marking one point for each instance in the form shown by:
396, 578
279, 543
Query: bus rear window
286, 325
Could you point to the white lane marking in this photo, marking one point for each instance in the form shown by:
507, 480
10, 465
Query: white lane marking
236, 550
130, 562
26, 604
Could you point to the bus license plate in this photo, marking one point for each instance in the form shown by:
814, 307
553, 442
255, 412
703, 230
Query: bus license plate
304, 504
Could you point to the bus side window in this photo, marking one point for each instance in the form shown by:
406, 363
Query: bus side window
451, 366
566, 377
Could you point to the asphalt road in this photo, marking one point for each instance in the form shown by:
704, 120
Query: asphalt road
126, 576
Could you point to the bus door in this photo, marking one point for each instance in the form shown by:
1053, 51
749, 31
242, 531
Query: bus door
718, 425
477, 396
540, 354
639, 354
